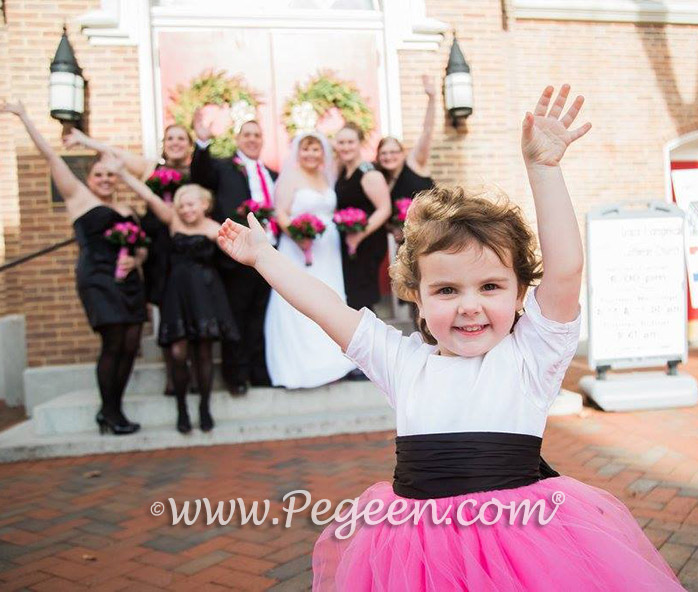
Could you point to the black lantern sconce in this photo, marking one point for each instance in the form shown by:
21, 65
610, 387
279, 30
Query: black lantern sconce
458, 85
66, 84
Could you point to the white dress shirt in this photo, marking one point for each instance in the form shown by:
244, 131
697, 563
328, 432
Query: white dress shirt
253, 178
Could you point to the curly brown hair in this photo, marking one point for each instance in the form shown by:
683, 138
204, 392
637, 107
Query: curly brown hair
452, 218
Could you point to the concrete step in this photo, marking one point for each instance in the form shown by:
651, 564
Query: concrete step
66, 426
21, 442
567, 403
46, 383
75, 412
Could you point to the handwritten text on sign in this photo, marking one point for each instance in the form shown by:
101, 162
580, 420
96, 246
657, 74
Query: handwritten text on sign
637, 299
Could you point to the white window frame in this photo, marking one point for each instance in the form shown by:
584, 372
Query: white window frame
401, 25
633, 11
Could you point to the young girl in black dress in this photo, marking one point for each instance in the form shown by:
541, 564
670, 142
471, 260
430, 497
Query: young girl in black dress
195, 309
115, 309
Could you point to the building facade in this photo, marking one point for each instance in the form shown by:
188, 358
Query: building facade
635, 62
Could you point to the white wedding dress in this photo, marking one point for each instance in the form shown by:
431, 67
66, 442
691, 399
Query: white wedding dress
299, 353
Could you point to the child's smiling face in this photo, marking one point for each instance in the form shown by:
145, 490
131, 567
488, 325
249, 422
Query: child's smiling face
468, 299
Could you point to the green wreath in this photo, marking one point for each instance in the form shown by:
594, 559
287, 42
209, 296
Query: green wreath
218, 89
323, 92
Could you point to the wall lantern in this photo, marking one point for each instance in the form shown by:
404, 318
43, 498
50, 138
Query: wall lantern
458, 85
66, 84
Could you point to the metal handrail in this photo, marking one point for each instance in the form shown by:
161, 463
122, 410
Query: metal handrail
35, 254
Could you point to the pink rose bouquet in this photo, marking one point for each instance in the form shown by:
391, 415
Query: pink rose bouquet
264, 215
128, 236
400, 207
350, 221
165, 181
303, 229
260, 212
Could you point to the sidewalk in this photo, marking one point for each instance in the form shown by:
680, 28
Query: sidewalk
71, 524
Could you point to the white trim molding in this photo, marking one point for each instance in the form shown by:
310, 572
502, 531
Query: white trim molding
116, 22
402, 25
669, 148
410, 28
633, 11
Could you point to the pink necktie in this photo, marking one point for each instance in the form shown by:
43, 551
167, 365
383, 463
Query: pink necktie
265, 189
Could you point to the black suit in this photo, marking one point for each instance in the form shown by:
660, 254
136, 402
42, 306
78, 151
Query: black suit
248, 292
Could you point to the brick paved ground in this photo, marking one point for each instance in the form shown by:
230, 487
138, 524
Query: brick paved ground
71, 524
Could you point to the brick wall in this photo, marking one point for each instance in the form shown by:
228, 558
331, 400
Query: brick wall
639, 81
44, 289
9, 214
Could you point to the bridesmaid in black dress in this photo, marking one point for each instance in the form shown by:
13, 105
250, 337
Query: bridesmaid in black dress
195, 310
359, 185
408, 173
177, 149
115, 309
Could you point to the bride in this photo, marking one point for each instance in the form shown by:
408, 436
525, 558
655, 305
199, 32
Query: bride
298, 353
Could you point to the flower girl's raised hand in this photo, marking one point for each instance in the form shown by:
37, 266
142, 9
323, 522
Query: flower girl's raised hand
546, 135
301, 290
544, 139
241, 243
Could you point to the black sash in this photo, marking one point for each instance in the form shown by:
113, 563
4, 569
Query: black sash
445, 465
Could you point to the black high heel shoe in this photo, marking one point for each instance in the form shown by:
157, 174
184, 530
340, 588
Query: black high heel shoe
183, 423
205, 420
123, 420
107, 425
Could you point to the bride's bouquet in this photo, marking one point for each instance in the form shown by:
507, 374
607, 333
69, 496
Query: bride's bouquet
264, 215
304, 229
128, 236
164, 181
350, 221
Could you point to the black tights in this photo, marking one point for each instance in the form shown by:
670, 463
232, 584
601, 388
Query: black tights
119, 348
202, 358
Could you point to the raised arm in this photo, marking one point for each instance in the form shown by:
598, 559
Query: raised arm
418, 158
137, 165
204, 169
76, 196
544, 140
160, 208
301, 290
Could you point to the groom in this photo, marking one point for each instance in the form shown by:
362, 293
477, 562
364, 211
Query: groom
233, 181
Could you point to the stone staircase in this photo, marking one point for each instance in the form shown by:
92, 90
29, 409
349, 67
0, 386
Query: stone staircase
62, 403
65, 426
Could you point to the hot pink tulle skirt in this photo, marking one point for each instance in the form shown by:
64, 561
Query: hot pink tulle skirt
590, 542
